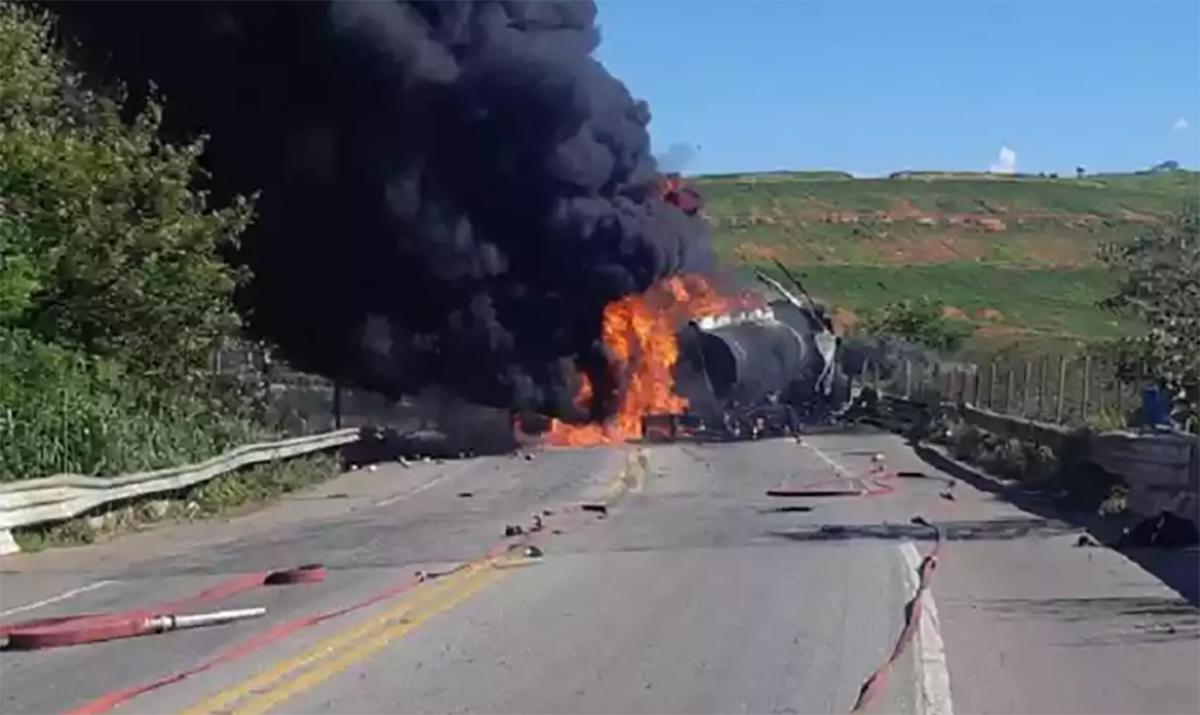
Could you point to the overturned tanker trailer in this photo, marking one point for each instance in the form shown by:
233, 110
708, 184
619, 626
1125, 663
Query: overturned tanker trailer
753, 373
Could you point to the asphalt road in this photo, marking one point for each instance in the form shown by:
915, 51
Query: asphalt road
697, 593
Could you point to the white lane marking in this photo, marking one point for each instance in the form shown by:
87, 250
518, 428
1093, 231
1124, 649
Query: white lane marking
413, 492
934, 697
839, 469
55, 599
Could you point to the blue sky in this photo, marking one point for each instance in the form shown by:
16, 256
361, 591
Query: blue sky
875, 87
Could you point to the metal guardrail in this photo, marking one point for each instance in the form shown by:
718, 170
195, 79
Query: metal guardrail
65, 496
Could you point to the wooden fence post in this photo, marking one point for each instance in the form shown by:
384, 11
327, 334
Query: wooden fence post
1025, 394
974, 385
1043, 363
1009, 390
992, 386
907, 379
1062, 388
981, 389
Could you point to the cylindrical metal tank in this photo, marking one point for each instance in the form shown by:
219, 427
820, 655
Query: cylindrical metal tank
747, 362
748, 359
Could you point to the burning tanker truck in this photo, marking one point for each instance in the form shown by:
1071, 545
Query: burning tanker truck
731, 365
751, 372
755, 372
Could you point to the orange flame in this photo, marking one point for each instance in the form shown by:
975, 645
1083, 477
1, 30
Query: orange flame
639, 332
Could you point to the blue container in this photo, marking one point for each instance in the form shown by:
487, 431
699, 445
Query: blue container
1154, 407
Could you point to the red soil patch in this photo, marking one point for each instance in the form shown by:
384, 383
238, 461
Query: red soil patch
844, 321
953, 312
989, 314
987, 224
1136, 217
756, 251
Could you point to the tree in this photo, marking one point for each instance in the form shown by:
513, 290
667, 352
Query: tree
1160, 284
105, 246
920, 321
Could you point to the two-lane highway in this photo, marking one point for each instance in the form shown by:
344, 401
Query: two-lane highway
697, 593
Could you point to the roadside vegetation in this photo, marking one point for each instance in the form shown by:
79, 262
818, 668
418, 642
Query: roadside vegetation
1160, 285
922, 321
114, 293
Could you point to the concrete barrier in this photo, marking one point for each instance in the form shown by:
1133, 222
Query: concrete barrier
1161, 469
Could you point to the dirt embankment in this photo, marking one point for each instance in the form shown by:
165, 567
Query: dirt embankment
907, 235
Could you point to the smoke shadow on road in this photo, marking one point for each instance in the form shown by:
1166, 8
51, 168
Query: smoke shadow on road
980, 530
1178, 570
1128, 620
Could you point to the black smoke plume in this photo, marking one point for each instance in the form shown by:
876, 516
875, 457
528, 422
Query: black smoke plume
450, 191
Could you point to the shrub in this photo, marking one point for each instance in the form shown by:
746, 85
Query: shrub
104, 244
919, 321
1160, 285
65, 411
113, 292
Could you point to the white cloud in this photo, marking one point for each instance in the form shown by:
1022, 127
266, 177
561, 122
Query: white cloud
677, 157
1006, 162
1180, 124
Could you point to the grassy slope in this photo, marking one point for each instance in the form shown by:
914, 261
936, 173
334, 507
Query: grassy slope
1025, 247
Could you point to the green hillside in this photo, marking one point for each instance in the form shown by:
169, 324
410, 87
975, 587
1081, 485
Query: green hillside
1014, 255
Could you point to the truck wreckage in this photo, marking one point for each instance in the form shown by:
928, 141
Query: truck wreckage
751, 373
754, 373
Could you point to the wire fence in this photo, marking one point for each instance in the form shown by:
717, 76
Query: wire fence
294, 402
1061, 389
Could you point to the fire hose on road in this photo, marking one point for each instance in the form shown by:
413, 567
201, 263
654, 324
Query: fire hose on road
879, 484
91, 628
96, 627
913, 611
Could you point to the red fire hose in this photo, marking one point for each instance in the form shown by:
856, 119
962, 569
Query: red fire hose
913, 611
107, 702
96, 627
877, 682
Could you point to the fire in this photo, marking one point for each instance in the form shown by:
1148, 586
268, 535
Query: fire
639, 332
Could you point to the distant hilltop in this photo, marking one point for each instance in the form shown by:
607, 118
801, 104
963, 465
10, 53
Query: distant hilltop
1162, 168
769, 177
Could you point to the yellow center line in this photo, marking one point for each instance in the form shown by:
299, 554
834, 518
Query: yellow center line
331, 655
339, 651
